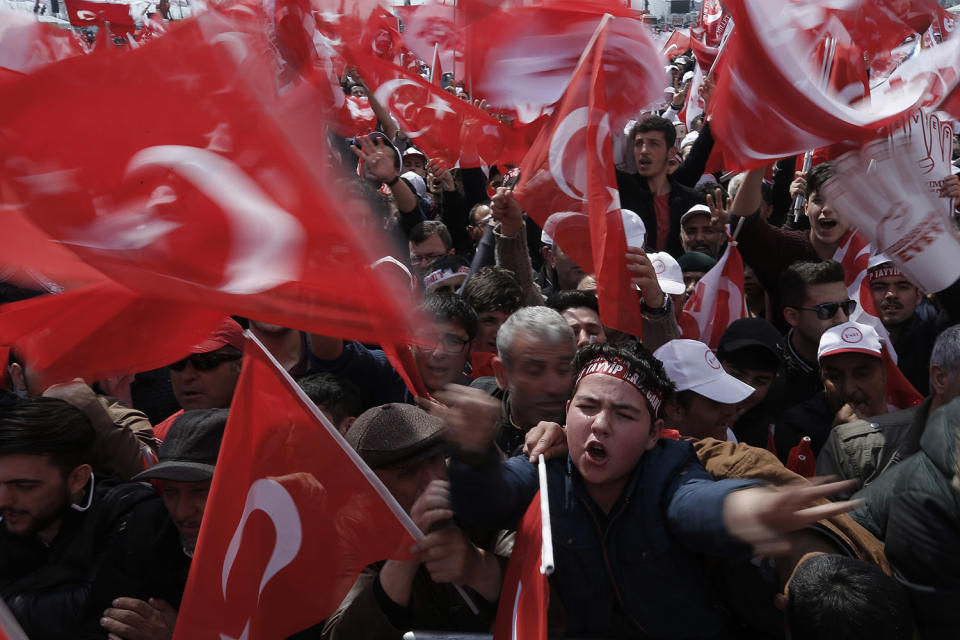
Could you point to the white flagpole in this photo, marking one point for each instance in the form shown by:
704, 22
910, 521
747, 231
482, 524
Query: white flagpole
546, 532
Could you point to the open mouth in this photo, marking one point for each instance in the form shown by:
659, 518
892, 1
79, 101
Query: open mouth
827, 223
643, 163
596, 452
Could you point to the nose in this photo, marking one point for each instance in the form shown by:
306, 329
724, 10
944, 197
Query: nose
583, 338
184, 509
839, 317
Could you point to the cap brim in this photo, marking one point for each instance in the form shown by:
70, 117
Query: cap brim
438, 447
743, 343
671, 287
725, 389
178, 471
836, 352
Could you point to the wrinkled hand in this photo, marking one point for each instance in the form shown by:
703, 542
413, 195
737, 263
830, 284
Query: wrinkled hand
847, 413
644, 276
379, 161
951, 187
449, 556
760, 515
133, 619
799, 185
471, 416
432, 508
507, 211
441, 174
719, 215
548, 438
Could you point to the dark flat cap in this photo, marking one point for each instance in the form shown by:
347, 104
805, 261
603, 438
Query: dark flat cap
396, 435
751, 340
696, 261
189, 452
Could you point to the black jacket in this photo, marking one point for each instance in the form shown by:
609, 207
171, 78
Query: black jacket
635, 195
58, 591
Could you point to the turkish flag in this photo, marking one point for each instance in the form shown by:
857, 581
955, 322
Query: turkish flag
801, 459
568, 186
292, 519
434, 25
380, 36
522, 58
26, 44
445, 127
100, 331
713, 23
232, 206
84, 13
677, 44
716, 301
793, 110
525, 595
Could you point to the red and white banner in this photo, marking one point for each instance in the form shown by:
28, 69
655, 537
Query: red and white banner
87, 13
26, 44
792, 110
291, 504
677, 44
928, 139
716, 301
432, 25
218, 207
525, 595
568, 186
714, 24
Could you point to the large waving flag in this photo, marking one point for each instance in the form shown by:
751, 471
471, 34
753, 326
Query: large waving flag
219, 207
568, 186
713, 24
793, 109
291, 505
716, 301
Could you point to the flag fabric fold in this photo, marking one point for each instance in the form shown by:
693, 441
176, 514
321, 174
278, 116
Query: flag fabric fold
291, 504
716, 301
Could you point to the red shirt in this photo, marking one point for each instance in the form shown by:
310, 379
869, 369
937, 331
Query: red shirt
661, 205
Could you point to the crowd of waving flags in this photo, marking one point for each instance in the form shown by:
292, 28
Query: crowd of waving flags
160, 184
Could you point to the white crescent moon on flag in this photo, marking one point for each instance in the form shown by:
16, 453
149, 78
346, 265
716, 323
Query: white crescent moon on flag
84, 14
387, 89
568, 127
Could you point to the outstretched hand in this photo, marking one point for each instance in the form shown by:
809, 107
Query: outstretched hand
759, 516
507, 211
472, 417
379, 160
644, 276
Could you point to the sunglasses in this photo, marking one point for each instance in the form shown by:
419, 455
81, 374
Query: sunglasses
205, 361
827, 310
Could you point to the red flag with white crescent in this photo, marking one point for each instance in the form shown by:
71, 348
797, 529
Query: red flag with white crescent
716, 301
677, 44
713, 23
291, 504
568, 186
219, 208
525, 595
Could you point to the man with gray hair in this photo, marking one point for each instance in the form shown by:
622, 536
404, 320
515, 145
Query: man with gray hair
532, 376
866, 448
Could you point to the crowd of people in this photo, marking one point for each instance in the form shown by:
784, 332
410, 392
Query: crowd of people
679, 475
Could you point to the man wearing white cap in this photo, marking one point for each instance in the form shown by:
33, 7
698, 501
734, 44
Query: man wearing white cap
699, 233
854, 383
705, 404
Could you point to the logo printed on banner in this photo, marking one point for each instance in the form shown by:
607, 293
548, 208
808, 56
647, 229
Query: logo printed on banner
711, 359
851, 335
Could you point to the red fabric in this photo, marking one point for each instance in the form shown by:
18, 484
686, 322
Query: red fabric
27, 44
445, 127
900, 393
101, 331
219, 207
713, 22
568, 187
661, 206
481, 364
525, 595
801, 459
716, 301
84, 13
677, 44
426, 25
436, 68
670, 434
380, 36
292, 519
362, 117
160, 430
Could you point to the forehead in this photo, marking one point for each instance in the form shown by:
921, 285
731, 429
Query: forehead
888, 280
442, 325
850, 361
528, 347
413, 159
696, 220
581, 315
649, 136
25, 465
433, 244
610, 390
827, 292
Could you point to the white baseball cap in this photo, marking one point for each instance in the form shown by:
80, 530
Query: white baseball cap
696, 210
691, 365
633, 227
669, 273
850, 337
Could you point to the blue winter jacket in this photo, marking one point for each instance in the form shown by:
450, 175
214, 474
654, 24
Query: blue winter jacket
634, 572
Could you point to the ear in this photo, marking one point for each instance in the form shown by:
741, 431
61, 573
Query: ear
791, 315
938, 379
344, 426
78, 478
655, 430
547, 254
780, 602
17, 377
500, 372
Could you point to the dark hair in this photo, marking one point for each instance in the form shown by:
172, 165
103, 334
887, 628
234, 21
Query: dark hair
563, 300
655, 123
493, 288
429, 228
451, 307
449, 261
798, 276
474, 208
832, 596
817, 176
708, 189
638, 359
338, 396
46, 426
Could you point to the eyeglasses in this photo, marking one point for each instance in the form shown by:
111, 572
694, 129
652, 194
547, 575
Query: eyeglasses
415, 259
826, 310
205, 361
447, 342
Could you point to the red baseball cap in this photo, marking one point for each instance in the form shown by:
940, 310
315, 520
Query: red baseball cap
228, 333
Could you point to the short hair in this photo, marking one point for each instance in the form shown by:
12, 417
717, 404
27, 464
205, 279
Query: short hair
449, 261
648, 369
338, 396
451, 307
832, 596
475, 207
795, 279
655, 123
946, 351
563, 300
539, 323
493, 288
818, 176
49, 427
429, 228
